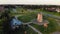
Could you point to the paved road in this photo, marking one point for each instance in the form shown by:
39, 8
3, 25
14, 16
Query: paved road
34, 29
18, 15
30, 26
26, 23
50, 15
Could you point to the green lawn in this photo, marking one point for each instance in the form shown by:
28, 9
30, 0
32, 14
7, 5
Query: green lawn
27, 16
52, 27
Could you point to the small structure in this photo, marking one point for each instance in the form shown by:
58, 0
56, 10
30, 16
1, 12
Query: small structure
58, 9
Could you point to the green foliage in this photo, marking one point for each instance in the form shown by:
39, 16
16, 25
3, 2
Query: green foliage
27, 17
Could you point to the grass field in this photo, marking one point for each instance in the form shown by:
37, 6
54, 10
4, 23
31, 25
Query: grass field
27, 16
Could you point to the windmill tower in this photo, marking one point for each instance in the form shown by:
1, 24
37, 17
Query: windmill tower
39, 17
